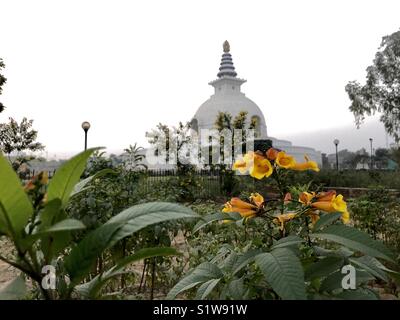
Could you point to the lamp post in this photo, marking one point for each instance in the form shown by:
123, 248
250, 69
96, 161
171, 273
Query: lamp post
370, 141
85, 127
336, 142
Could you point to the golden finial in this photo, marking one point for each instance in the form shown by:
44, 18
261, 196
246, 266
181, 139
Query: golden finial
226, 46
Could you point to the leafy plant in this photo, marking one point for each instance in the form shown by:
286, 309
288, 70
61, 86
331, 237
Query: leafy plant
41, 233
293, 246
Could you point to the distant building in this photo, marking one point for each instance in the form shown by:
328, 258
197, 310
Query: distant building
229, 98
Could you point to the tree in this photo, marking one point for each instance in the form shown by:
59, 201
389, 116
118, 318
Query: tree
381, 158
134, 158
381, 92
17, 138
395, 154
224, 121
239, 134
2, 82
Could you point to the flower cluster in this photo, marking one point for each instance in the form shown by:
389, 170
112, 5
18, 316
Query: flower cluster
313, 203
261, 165
325, 201
309, 204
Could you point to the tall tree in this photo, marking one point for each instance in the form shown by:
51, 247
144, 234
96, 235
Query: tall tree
134, 157
2, 82
16, 138
381, 92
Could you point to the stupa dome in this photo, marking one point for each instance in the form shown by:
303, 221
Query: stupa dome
228, 98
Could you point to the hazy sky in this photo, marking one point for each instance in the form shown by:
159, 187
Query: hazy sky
124, 66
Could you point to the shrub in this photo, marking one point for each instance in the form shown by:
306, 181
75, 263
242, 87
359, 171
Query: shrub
40, 232
378, 213
293, 246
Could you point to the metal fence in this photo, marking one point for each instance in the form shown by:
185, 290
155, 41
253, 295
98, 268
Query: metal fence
203, 183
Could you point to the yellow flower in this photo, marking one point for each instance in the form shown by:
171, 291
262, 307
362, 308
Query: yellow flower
261, 168
346, 217
330, 202
285, 161
336, 204
245, 209
308, 165
306, 198
257, 199
257, 165
44, 177
245, 163
283, 218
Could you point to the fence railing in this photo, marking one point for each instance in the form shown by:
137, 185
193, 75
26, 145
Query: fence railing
205, 183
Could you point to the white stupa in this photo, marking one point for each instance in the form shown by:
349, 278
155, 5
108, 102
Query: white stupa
229, 98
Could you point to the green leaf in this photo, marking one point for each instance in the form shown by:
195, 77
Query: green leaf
83, 256
140, 216
81, 185
50, 214
371, 265
323, 267
54, 237
91, 289
354, 239
284, 273
15, 206
53, 243
229, 261
14, 290
204, 272
67, 176
326, 219
65, 225
206, 288
287, 241
129, 221
334, 280
341, 252
236, 289
220, 216
244, 259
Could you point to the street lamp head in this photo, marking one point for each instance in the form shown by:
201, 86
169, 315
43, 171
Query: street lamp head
85, 125
370, 139
336, 142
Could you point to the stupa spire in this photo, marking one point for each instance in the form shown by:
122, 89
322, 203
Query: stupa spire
226, 68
